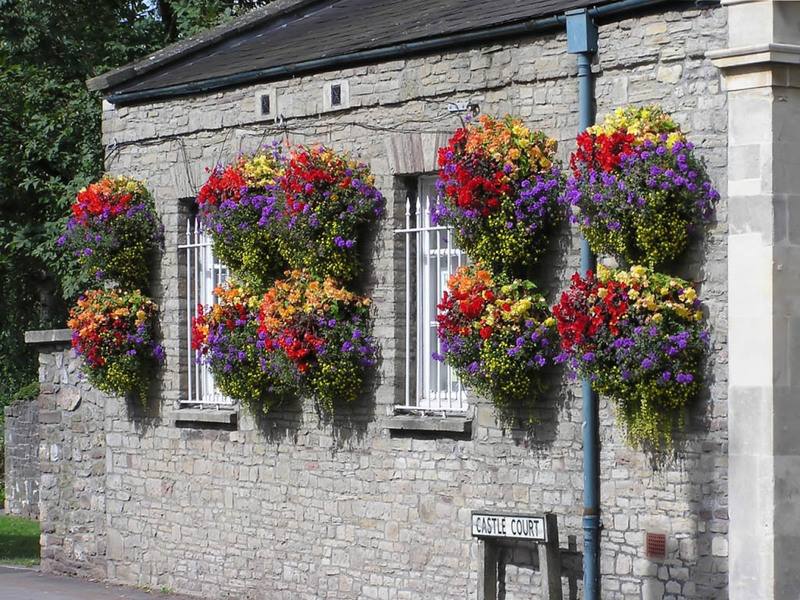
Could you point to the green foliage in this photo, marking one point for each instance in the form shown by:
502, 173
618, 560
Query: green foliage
51, 140
185, 18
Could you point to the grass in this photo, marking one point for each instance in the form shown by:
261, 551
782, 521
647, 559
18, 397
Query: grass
19, 541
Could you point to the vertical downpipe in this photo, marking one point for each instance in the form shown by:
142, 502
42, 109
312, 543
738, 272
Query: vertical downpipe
582, 40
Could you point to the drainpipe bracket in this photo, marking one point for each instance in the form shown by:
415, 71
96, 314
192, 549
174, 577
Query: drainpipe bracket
581, 32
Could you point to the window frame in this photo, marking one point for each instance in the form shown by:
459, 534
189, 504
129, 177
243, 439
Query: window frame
430, 257
203, 273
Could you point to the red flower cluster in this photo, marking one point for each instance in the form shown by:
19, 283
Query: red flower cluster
301, 346
99, 200
589, 305
306, 175
222, 184
475, 182
470, 295
600, 152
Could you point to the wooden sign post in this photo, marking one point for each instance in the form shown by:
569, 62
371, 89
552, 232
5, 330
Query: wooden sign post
541, 530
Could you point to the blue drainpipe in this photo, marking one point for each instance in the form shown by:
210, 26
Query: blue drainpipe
582, 40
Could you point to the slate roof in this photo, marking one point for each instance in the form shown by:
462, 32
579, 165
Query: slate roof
291, 36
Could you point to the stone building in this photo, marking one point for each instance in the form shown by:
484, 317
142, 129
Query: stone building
202, 498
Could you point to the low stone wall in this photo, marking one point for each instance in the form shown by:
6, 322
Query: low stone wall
72, 459
22, 472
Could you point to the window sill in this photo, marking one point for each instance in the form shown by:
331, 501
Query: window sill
452, 425
203, 417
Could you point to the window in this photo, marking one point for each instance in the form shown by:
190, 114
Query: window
430, 258
203, 274
336, 94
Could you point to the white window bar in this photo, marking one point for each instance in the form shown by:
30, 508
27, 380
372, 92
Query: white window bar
203, 274
430, 259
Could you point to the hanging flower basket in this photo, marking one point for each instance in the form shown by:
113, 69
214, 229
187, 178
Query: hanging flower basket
306, 335
114, 232
638, 191
497, 335
113, 332
500, 187
241, 206
225, 336
639, 337
320, 332
330, 198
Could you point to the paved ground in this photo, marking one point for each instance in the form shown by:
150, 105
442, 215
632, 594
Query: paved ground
17, 583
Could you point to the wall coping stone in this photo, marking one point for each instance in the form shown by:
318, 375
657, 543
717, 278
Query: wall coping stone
48, 336
448, 424
200, 415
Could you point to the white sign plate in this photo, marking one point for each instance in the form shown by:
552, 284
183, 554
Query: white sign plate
523, 527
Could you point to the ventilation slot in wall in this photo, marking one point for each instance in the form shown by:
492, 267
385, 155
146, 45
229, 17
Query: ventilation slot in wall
266, 104
336, 95
655, 546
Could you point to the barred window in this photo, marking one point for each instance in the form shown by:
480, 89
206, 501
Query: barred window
430, 259
203, 273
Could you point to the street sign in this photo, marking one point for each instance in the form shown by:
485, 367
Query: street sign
524, 527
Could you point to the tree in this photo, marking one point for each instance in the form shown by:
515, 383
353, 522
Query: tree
50, 140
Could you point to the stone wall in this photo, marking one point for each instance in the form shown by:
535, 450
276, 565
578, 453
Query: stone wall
21, 445
73, 456
294, 506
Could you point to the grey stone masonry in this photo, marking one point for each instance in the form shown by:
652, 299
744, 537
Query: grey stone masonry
72, 453
294, 506
21, 445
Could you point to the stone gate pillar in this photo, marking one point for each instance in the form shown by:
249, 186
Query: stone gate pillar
761, 70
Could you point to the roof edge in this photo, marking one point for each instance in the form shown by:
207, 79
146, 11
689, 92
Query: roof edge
608, 10
173, 52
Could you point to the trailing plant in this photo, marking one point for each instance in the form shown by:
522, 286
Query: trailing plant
322, 329
500, 187
330, 197
241, 206
113, 332
114, 231
639, 337
498, 335
225, 335
638, 191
